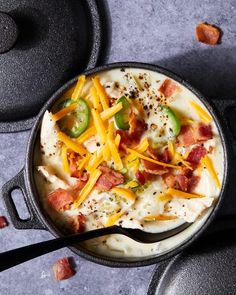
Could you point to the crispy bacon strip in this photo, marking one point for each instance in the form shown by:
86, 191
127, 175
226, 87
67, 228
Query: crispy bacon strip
137, 127
169, 88
191, 134
207, 34
62, 269
196, 154
60, 199
78, 223
153, 168
108, 179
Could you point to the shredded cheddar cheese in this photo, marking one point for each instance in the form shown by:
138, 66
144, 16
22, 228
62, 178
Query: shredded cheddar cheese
158, 218
78, 88
152, 160
87, 188
117, 140
206, 161
115, 154
73, 145
100, 128
84, 161
91, 131
62, 113
101, 92
124, 193
181, 194
110, 112
112, 219
95, 99
95, 161
203, 115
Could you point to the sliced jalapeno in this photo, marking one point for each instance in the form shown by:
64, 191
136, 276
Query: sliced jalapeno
174, 122
122, 117
77, 121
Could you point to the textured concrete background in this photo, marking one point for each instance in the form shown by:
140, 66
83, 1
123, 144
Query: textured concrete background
160, 32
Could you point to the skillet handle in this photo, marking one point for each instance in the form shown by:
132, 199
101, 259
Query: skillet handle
18, 182
222, 106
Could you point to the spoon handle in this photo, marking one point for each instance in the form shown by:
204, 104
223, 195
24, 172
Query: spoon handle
14, 257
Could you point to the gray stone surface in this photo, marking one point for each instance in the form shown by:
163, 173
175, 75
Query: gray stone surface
160, 32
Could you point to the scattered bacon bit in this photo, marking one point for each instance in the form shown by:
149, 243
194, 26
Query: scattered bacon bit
137, 127
140, 177
169, 87
186, 137
62, 269
82, 180
153, 168
78, 223
208, 34
179, 181
203, 132
108, 179
192, 183
194, 134
74, 172
125, 140
151, 152
186, 171
3, 222
60, 199
165, 156
196, 154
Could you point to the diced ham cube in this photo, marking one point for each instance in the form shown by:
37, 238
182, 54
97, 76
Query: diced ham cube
63, 270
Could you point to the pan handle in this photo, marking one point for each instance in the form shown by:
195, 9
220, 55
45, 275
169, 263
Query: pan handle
18, 182
222, 106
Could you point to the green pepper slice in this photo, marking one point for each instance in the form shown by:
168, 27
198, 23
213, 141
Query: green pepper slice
75, 123
122, 117
174, 122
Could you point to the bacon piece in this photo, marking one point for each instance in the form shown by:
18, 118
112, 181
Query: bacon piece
177, 181
3, 222
125, 140
165, 156
151, 152
194, 134
137, 127
186, 136
207, 34
108, 179
74, 172
140, 177
62, 269
60, 199
82, 180
192, 183
153, 168
196, 154
203, 132
78, 223
169, 87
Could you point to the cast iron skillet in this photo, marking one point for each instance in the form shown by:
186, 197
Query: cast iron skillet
40, 220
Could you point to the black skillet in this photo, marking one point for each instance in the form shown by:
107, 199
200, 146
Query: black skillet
43, 44
40, 220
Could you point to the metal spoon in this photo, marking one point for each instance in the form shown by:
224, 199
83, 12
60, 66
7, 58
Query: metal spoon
14, 257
